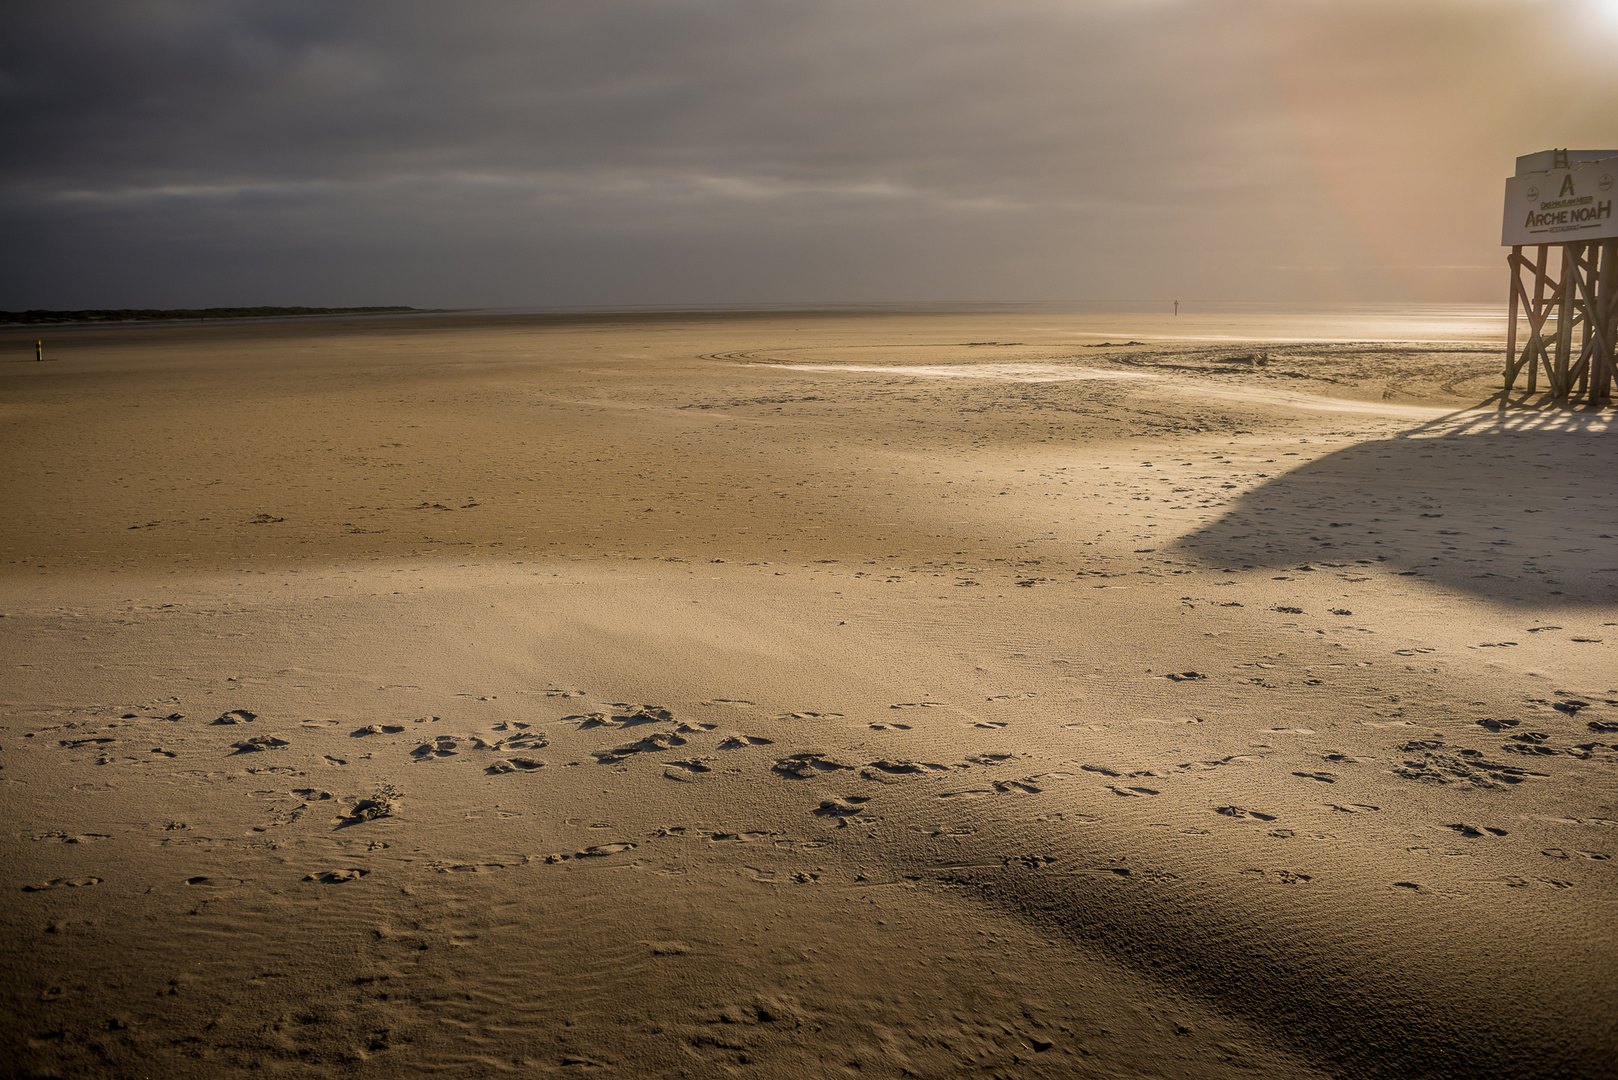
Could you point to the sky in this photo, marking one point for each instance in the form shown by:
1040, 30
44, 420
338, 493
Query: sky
584, 153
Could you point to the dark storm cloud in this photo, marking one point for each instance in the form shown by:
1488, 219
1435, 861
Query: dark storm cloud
622, 151
942, 94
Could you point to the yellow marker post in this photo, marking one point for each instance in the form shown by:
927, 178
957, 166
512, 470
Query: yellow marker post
39, 350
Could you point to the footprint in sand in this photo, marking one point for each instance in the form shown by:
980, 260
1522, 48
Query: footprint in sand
376, 729
890, 727
1102, 769
236, 716
1203, 766
380, 805
1323, 777
442, 746
686, 770
72, 838
738, 702
73, 744
595, 851
62, 883
516, 764
742, 742
257, 744
1243, 812
993, 725
819, 715
1034, 862
919, 705
655, 743
214, 882
1131, 792
1025, 787
646, 714
470, 868
1474, 830
803, 766
1354, 808
849, 806
337, 877
528, 740
666, 948
904, 768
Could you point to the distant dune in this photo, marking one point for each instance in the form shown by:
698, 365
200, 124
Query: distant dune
101, 315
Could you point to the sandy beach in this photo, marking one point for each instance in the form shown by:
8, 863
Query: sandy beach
863, 694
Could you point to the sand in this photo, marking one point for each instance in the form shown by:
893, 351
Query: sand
824, 695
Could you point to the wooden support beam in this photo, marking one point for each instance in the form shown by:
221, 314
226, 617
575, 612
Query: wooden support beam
1583, 281
1537, 317
1560, 381
1580, 354
1535, 352
1593, 270
1606, 322
1514, 261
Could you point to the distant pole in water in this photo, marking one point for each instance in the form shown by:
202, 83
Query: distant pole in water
39, 350
1176, 307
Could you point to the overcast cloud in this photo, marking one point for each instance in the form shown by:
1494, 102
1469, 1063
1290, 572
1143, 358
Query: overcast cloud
604, 152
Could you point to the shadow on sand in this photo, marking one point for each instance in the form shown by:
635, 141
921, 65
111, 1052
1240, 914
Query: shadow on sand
1511, 507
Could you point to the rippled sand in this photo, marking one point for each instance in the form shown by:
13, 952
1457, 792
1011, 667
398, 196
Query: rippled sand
879, 695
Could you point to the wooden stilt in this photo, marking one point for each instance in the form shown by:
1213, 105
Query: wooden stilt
1593, 305
1584, 267
1537, 319
1605, 325
1560, 383
1514, 261
1609, 314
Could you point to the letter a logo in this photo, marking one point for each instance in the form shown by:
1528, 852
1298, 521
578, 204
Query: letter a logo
1567, 186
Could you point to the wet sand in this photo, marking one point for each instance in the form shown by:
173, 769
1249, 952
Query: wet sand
855, 695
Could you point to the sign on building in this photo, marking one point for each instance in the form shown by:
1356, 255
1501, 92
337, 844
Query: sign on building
1573, 203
